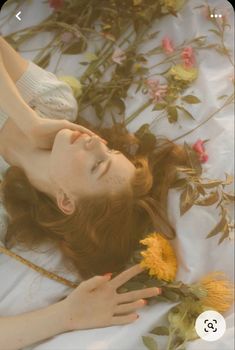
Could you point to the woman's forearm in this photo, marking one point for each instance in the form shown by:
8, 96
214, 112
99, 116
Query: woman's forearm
12, 103
17, 332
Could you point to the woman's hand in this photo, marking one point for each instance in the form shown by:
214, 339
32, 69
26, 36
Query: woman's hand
95, 302
42, 133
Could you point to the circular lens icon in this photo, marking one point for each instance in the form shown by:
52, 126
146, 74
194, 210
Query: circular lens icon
210, 325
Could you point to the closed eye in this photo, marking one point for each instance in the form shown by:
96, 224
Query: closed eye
96, 165
101, 161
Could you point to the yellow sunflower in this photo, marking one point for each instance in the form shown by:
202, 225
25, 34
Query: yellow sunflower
159, 257
219, 293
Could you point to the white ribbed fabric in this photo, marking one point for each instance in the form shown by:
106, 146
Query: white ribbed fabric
50, 98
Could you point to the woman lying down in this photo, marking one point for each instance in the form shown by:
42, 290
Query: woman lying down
81, 188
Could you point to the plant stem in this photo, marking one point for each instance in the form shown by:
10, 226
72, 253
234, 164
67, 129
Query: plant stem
137, 112
227, 102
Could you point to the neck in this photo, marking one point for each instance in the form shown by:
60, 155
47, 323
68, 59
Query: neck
16, 150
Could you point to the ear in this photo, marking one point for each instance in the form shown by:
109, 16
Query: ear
65, 203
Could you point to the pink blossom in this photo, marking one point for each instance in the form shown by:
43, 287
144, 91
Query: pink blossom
118, 56
156, 90
187, 56
200, 149
56, 4
167, 45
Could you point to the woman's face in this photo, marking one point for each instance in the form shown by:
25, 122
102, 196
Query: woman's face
87, 166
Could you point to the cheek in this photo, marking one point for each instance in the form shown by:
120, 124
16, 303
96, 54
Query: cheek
115, 180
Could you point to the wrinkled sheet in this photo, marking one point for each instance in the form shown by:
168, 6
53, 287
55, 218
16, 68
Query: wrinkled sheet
24, 290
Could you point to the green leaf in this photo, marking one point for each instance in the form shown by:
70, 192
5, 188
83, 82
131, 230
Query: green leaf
218, 228
229, 179
215, 32
221, 97
191, 99
187, 198
159, 106
162, 298
150, 343
225, 235
172, 113
211, 183
160, 331
153, 283
134, 285
229, 196
171, 295
185, 112
212, 198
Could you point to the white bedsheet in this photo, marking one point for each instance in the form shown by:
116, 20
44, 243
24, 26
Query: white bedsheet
24, 290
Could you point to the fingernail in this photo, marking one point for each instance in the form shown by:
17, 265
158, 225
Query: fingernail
144, 301
159, 290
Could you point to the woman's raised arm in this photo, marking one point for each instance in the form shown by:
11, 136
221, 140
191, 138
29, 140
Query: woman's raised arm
11, 102
15, 64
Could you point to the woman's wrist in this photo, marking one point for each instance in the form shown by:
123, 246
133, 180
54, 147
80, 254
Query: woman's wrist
66, 312
28, 121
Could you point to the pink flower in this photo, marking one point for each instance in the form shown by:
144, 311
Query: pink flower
200, 149
56, 4
167, 45
118, 56
156, 90
187, 56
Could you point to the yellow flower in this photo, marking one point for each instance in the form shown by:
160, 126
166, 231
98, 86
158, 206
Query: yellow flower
159, 257
179, 72
219, 293
73, 83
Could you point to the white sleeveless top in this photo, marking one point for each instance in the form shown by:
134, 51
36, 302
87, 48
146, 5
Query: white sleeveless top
50, 98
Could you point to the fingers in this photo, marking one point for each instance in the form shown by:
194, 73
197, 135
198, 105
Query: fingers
138, 294
117, 320
94, 282
124, 276
130, 307
84, 130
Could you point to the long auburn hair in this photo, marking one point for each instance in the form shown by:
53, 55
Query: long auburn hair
104, 231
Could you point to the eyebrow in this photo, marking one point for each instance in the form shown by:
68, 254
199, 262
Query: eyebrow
106, 169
